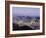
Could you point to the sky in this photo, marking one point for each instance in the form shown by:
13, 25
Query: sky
25, 11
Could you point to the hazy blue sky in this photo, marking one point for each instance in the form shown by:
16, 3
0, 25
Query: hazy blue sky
25, 11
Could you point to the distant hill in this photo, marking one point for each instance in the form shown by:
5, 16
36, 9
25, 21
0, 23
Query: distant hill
26, 17
28, 21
